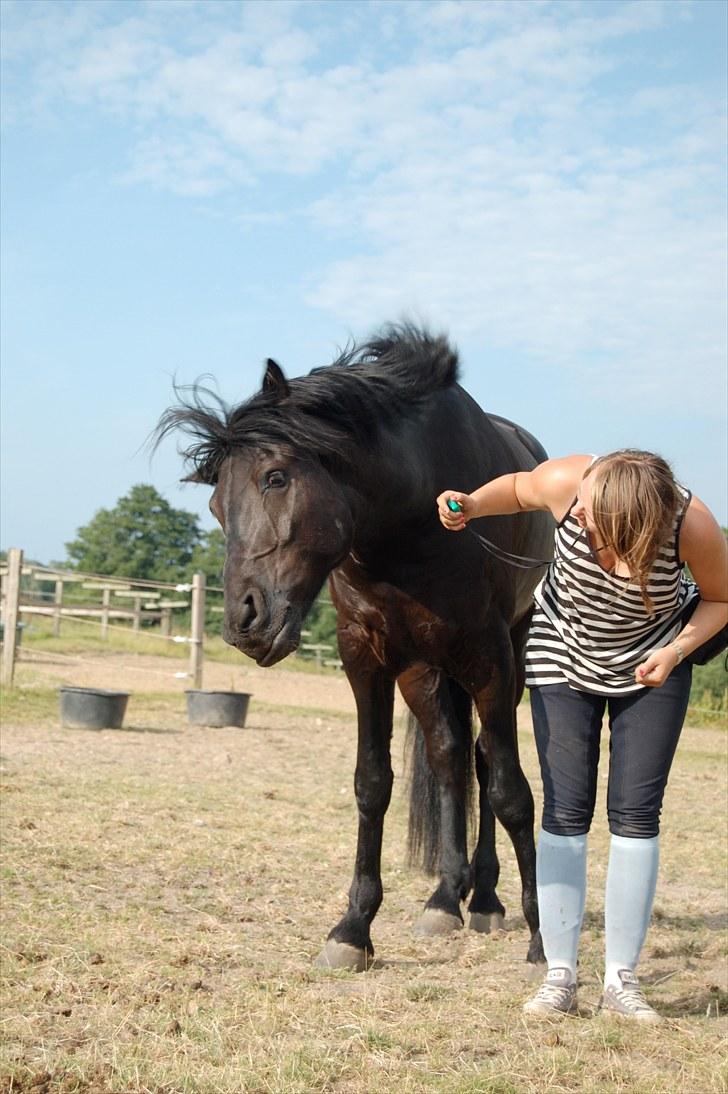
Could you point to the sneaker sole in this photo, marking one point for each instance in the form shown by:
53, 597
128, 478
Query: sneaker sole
572, 1012
653, 1019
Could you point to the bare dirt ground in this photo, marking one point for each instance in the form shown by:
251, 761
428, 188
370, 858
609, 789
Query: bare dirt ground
166, 888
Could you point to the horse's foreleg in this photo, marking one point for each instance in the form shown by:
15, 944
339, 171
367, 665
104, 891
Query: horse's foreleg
349, 944
447, 743
508, 791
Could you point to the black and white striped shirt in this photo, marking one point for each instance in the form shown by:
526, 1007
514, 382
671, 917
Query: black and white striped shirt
590, 628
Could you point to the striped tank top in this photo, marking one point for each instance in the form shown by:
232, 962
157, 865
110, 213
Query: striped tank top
590, 628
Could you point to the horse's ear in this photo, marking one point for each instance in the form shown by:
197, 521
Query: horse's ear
274, 381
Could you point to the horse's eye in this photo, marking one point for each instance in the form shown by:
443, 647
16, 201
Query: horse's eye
275, 479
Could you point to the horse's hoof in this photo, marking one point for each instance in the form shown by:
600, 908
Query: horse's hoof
487, 922
536, 956
434, 921
340, 955
535, 970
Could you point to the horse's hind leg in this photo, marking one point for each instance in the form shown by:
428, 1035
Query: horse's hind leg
486, 911
508, 790
349, 944
448, 744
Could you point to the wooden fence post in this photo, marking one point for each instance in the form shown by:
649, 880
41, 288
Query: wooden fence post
197, 629
137, 625
105, 605
57, 605
10, 617
165, 612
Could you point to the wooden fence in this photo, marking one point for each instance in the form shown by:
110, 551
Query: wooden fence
141, 600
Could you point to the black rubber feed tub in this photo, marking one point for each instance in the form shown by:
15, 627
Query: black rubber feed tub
93, 708
217, 708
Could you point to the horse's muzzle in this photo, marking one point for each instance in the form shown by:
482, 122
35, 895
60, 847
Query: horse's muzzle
265, 633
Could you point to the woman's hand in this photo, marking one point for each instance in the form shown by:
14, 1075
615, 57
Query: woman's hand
655, 669
455, 521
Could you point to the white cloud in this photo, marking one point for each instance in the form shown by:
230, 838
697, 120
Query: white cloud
288, 49
196, 167
481, 166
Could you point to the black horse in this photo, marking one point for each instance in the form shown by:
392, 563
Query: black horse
335, 474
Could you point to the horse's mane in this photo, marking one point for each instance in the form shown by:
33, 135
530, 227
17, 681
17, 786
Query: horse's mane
321, 414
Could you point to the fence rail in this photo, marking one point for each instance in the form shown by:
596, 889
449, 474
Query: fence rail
111, 602
146, 603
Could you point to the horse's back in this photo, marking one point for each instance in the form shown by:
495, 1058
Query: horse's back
507, 445
525, 439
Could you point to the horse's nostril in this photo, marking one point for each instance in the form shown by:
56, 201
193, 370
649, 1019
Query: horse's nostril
249, 612
252, 610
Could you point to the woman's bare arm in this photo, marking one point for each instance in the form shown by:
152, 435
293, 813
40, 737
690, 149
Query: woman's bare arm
552, 485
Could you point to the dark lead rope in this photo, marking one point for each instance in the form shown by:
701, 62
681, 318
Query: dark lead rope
523, 562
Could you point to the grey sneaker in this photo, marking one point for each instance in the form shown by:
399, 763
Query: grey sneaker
557, 995
628, 1000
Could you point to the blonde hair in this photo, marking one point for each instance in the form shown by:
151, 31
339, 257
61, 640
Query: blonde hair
635, 501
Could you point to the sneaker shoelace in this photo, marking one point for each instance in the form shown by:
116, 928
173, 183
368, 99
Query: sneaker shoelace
553, 994
632, 997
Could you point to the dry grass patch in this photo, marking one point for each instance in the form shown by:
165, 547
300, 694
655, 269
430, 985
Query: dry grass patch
165, 890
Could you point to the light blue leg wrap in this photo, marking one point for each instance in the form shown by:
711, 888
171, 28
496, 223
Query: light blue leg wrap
561, 883
631, 882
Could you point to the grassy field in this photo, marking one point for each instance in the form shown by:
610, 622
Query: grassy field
82, 638
166, 889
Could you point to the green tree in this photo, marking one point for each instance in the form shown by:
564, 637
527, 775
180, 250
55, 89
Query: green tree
321, 621
710, 682
143, 536
209, 556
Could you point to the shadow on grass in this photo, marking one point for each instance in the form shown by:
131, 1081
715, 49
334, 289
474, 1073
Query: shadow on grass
716, 922
159, 730
262, 729
117, 730
703, 1003
380, 963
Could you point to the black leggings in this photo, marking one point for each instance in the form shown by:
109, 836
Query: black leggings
644, 728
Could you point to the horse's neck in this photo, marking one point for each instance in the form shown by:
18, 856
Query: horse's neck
392, 495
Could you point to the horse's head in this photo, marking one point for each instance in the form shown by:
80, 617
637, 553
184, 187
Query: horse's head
287, 524
292, 468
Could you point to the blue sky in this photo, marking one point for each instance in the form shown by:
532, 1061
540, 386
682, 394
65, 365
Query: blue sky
190, 187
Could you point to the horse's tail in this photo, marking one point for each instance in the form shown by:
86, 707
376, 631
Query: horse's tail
423, 836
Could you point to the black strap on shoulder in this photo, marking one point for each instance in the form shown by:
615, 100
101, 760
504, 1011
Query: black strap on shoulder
678, 525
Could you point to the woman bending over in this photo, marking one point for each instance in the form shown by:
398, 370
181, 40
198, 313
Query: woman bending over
608, 632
